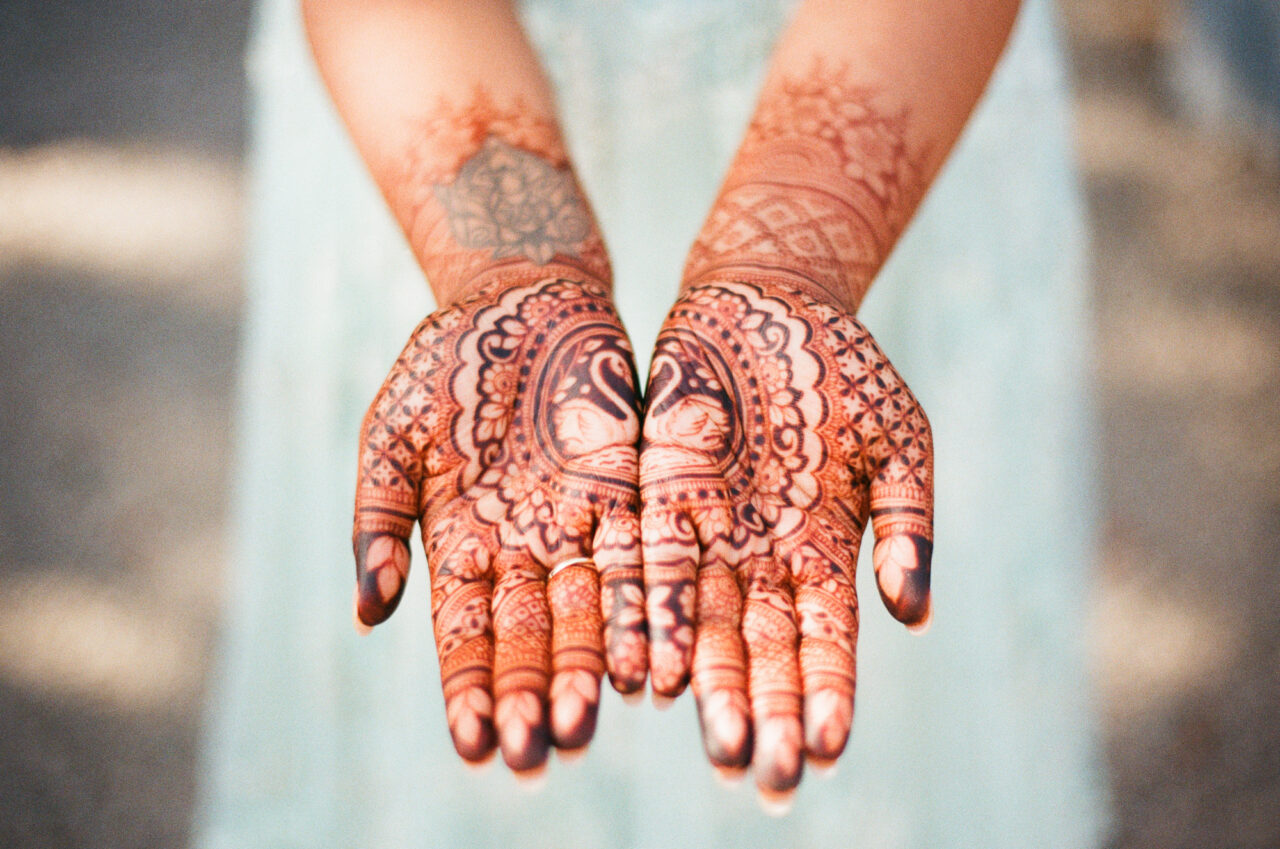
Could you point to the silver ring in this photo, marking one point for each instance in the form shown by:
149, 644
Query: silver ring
565, 564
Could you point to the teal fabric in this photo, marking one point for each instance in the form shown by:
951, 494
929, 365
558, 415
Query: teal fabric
979, 734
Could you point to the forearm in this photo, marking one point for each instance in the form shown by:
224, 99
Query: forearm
862, 103
450, 110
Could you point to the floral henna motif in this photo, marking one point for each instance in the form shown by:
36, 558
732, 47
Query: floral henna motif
508, 428
486, 194
819, 191
774, 428
516, 203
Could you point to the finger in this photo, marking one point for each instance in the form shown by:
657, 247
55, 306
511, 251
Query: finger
522, 661
827, 610
773, 674
626, 634
670, 551
902, 515
461, 586
720, 668
898, 452
385, 511
577, 655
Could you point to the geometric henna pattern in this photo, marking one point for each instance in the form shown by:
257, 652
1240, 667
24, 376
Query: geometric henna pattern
508, 428
819, 190
774, 428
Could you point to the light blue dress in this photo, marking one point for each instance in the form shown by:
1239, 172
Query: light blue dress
980, 734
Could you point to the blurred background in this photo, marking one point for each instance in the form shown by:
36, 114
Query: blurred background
122, 157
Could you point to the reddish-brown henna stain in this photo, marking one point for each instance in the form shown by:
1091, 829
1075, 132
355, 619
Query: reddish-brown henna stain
818, 193
774, 428
508, 429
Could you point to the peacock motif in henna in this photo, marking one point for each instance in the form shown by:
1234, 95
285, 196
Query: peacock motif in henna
775, 429
508, 429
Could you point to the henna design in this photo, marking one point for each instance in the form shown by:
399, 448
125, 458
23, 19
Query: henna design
516, 203
486, 194
508, 428
774, 427
818, 193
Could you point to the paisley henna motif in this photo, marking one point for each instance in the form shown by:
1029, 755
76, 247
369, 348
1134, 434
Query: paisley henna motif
508, 428
774, 428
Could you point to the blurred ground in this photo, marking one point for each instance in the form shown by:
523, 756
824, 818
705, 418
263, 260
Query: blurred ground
1186, 223
121, 154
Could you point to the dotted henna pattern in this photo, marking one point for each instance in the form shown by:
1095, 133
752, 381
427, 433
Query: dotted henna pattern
508, 428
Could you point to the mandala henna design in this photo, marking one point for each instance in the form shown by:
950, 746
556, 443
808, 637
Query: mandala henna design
516, 203
486, 193
819, 191
774, 428
508, 429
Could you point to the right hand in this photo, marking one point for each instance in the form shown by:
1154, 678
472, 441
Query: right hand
508, 428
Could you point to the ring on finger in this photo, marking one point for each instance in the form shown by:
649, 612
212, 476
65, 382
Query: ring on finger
565, 564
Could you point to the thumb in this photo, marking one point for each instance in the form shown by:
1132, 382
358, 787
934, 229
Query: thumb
385, 512
902, 515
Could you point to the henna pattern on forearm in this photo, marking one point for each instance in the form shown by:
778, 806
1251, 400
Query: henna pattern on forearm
818, 193
486, 193
775, 428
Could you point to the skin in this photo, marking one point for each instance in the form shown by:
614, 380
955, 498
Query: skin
775, 428
508, 427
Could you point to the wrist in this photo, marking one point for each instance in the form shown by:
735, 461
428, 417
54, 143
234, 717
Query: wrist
818, 193
793, 288
494, 277
783, 229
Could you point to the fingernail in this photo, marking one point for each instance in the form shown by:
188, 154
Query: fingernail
481, 766
921, 627
531, 780
729, 776
633, 698
571, 756
822, 767
361, 628
662, 702
775, 803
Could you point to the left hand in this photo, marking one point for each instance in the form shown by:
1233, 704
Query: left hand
774, 427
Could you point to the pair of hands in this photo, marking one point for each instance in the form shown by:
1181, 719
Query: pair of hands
719, 549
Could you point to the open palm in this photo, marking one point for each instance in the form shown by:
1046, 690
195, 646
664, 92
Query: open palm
774, 427
508, 428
